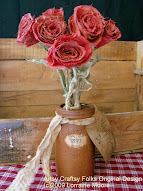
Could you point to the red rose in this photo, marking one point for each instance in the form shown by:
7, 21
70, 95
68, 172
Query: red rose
69, 51
55, 12
111, 32
88, 22
48, 28
25, 33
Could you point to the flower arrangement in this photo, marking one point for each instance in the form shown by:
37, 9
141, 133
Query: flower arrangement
69, 48
70, 54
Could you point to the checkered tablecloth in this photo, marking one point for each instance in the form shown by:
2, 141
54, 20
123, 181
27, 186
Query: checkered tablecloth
123, 173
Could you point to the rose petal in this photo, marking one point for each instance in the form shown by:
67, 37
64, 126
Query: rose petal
25, 33
72, 26
88, 22
55, 12
69, 51
48, 28
111, 33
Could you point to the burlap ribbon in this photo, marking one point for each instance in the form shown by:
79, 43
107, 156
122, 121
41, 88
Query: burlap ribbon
98, 129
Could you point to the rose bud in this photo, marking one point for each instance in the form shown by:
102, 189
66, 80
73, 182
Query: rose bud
55, 12
111, 32
25, 33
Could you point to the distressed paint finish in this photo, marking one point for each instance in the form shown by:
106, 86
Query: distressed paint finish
19, 139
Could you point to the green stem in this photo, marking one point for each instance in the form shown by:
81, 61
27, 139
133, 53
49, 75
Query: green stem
69, 94
70, 74
43, 46
62, 79
67, 80
77, 103
82, 86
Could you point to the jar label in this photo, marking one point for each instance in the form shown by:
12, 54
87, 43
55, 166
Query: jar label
75, 140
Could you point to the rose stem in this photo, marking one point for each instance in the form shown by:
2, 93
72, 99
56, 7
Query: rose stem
82, 87
77, 103
94, 61
43, 46
70, 74
69, 94
62, 79
67, 80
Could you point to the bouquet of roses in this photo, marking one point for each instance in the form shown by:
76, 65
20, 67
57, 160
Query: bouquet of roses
69, 48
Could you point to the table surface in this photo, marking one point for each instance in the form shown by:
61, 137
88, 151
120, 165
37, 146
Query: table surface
122, 173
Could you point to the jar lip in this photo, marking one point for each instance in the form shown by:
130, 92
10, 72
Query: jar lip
86, 111
83, 106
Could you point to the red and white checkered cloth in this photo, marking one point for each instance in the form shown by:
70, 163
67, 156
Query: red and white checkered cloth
126, 170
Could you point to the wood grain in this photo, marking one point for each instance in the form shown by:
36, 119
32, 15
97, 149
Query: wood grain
24, 84
26, 134
139, 63
49, 110
118, 50
21, 98
43, 103
139, 77
23, 75
139, 93
10, 50
33, 90
128, 130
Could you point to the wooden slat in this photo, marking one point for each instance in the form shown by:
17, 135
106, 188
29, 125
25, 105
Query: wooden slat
20, 137
118, 50
23, 75
138, 72
139, 77
9, 49
128, 128
43, 103
139, 63
114, 107
27, 111
139, 93
49, 110
19, 98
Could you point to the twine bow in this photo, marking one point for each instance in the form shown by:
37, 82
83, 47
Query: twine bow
102, 137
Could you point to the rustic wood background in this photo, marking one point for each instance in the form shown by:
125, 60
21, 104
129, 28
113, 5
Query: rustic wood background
31, 92
34, 90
